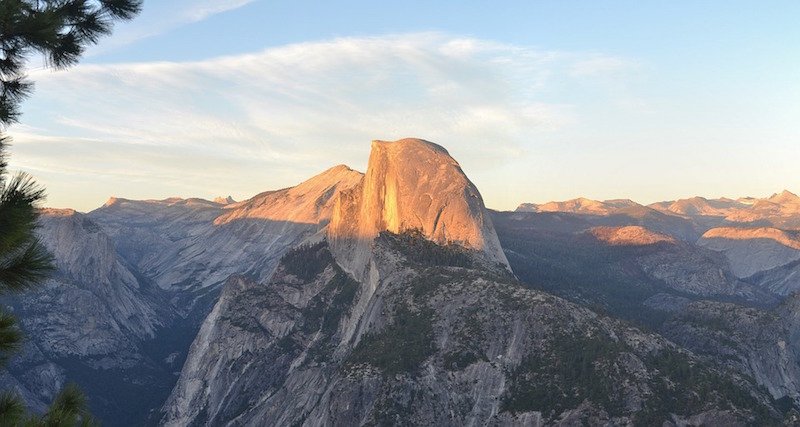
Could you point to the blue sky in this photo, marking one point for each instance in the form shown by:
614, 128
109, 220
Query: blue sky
537, 100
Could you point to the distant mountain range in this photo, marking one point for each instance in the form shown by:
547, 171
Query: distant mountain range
780, 209
395, 297
756, 234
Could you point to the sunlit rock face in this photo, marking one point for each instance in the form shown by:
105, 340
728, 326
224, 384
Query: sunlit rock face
309, 202
411, 184
631, 235
753, 250
192, 246
376, 326
580, 205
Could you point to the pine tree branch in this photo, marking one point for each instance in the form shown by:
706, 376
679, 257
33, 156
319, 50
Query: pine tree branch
10, 335
12, 408
18, 200
59, 29
68, 408
24, 261
24, 271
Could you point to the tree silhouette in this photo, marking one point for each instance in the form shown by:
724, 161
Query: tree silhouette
60, 30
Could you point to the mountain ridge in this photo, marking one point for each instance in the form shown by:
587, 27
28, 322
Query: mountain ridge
302, 301
385, 321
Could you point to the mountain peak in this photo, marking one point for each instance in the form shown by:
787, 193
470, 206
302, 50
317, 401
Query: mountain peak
411, 184
406, 144
763, 233
224, 200
581, 205
309, 202
784, 196
111, 201
57, 212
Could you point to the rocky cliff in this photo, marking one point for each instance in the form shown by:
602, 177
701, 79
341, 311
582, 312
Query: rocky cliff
763, 344
753, 250
134, 281
189, 247
411, 184
92, 322
404, 309
407, 314
444, 342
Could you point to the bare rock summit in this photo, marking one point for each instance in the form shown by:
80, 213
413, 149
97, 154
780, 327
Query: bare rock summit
411, 184
224, 200
309, 202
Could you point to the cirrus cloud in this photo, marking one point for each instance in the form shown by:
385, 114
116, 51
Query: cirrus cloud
243, 124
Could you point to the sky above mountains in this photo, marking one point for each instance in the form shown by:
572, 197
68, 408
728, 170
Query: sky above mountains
537, 100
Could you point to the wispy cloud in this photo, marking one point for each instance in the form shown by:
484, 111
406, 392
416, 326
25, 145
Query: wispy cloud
246, 123
161, 17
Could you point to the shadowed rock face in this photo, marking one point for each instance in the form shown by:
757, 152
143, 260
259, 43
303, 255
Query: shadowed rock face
411, 184
192, 246
135, 279
752, 250
94, 322
763, 344
440, 346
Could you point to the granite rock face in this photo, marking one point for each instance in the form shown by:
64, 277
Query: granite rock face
386, 298
189, 247
134, 281
782, 280
753, 250
411, 184
438, 344
764, 344
408, 313
92, 319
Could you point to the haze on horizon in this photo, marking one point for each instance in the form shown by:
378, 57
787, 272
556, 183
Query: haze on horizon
537, 101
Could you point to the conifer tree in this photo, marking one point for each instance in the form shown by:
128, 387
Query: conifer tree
60, 30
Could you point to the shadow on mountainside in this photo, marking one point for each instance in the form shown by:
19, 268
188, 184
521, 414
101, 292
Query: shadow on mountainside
127, 300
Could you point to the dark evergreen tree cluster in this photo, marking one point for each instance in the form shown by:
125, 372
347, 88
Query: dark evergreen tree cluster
413, 244
401, 347
60, 30
307, 261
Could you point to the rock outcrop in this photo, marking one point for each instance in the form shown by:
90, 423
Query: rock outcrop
404, 309
782, 280
411, 184
764, 344
95, 321
752, 250
190, 247
441, 345
310, 202
631, 235
134, 281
